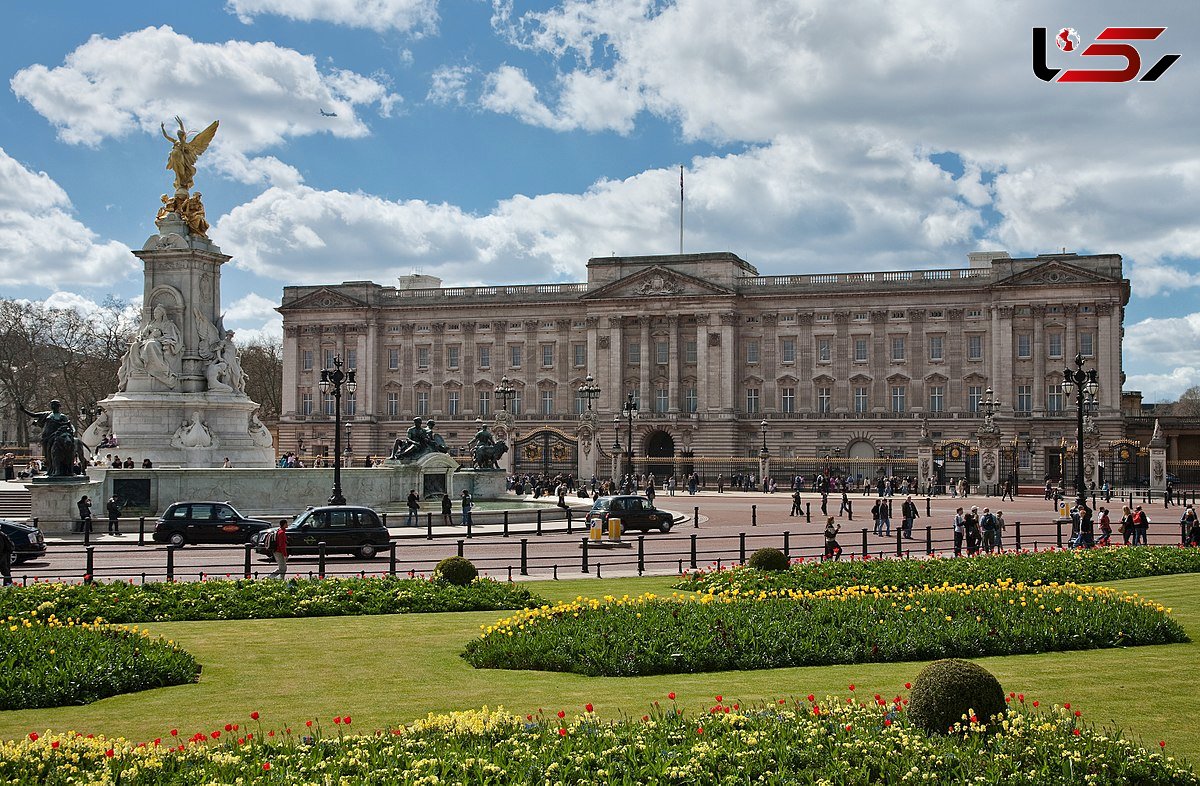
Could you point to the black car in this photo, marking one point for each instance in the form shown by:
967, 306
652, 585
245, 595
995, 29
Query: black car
342, 528
27, 539
205, 522
634, 512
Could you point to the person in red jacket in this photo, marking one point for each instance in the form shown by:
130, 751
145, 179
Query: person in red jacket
279, 548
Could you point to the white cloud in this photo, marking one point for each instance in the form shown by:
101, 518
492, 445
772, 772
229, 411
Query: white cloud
416, 17
448, 85
42, 244
1163, 356
262, 93
249, 308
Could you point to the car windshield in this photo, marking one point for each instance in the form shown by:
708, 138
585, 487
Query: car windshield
601, 504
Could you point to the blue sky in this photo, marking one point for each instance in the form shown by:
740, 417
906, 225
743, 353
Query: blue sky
497, 142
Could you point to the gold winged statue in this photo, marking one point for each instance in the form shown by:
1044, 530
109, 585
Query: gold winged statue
184, 152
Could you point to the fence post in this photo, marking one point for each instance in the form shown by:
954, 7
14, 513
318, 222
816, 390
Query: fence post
469, 523
928, 540
641, 554
429, 526
927, 498
90, 568
524, 556
383, 518
864, 541
1017, 530
249, 547
539, 522
696, 517
570, 524
584, 567
321, 559
900, 541
808, 513
742, 547
461, 543
141, 530
787, 544
1058, 526
506, 523
754, 515
694, 566
170, 563
392, 559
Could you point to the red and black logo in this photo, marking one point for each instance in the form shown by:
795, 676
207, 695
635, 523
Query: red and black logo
1067, 40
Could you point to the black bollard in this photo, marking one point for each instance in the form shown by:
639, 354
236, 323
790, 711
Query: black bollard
539, 523
506, 523
249, 547
742, 547
170, 563
1017, 532
754, 515
927, 507
90, 568
321, 559
570, 524
461, 543
524, 556
429, 527
141, 530
696, 517
1058, 526
900, 541
928, 540
470, 522
787, 544
694, 566
808, 513
641, 554
864, 541
392, 559
584, 566
383, 518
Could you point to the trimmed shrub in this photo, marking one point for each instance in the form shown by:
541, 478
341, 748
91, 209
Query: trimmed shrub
947, 690
768, 559
456, 570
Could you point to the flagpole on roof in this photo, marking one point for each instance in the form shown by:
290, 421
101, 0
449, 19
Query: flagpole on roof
681, 208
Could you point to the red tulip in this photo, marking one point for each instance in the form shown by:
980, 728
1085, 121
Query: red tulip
588, 707
266, 766
254, 715
671, 695
33, 736
562, 714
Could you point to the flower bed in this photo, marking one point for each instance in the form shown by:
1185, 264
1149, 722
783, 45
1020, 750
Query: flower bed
241, 599
50, 663
766, 630
1082, 566
789, 742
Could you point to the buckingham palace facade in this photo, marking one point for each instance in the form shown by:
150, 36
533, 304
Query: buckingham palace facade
839, 366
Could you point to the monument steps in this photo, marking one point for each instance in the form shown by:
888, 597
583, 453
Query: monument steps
15, 504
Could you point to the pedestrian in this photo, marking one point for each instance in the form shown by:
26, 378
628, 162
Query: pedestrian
650, 492
467, 505
447, 507
1000, 526
824, 502
279, 550
227, 464
1087, 537
973, 534
85, 513
885, 517
1169, 497
671, 486
414, 509
1141, 525
960, 528
114, 515
1105, 528
1126, 525
1190, 526
833, 549
6, 554
796, 504
987, 523
908, 512
720, 484
875, 517
846, 507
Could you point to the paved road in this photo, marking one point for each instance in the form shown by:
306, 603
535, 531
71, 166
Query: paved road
728, 524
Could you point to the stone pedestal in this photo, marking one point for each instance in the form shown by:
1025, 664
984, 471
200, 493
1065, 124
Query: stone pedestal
1158, 459
926, 476
54, 503
431, 474
189, 429
482, 483
1091, 460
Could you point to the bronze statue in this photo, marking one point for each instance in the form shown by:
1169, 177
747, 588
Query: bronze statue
184, 152
418, 441
60, 446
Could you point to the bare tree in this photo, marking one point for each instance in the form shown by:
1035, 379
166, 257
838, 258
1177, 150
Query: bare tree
262, 360
1188, 405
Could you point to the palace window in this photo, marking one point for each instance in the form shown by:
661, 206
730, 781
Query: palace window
547, 355
485, 402
451, 357
787, 350
937, 398
690, 402
661, 401
393, 358
936, 352
824, 350
824, 400
689, 352
751, 351
1086, 345
579, 355
1054, 399
514, 356
306, 360
862, 401
897, 348
422, 357
393, 403
1023, 345
423, 402
788, 399
1055, 349
898, 395
1024, 398
635, 353
306, 404
974, 347
485, 356
974, 396
547, 402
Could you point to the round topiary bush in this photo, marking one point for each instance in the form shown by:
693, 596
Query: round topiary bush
456, 570
946, 690
768, 559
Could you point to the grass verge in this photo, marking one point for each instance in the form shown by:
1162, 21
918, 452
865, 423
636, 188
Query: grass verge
388, 669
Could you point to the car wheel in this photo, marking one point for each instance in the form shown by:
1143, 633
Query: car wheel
177, 540
665, 526
367, 550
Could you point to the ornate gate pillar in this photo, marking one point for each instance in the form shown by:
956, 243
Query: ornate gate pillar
926, 476
1158, 459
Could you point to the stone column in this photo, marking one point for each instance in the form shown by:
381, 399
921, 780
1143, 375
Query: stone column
645, 362
918, 360
804, 362
1071, 339
706, 391
593, 360
926, 477
988, 439
529, 369
1091, 456
729, 373
769, 362
1039, 360
1108, 346
616, 363
437, 371
1001, 378
469, 365
674, 363
290, 399
1158, 459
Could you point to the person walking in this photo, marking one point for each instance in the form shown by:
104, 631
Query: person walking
833, 549
85, 513
1190, 526
885, 518
467, 504
960, 530
1087, 537
279, 550
650, 492
796, 504
908, 512
846, 507
720, 484
1126, 525
1000, 527
447, 507
987, 523
1169, 496
1105, 529
113, 508
1141, 525
6, 553
414, 509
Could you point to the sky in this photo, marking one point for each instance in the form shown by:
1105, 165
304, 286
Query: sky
500, 141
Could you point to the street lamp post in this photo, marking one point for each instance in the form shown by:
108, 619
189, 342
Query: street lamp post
1085, 385
589, 391
630, 409
506, 391
764, 456
348, 451
332, 381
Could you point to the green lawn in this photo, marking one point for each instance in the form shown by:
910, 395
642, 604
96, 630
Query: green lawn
389, 669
